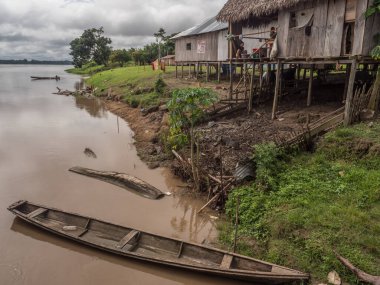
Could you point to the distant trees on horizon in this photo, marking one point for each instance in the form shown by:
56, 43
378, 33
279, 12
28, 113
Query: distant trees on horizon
93, 46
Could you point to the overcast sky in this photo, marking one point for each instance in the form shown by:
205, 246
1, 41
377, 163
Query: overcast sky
43, 29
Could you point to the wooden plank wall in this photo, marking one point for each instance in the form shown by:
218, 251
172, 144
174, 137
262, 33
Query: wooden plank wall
360, 24
211, 53
372, 27
282, 32
334, 27
222, 45
318, 30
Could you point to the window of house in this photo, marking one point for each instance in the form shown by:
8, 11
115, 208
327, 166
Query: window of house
188, 46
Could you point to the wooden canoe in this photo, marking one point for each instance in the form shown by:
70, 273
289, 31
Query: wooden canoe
144, 246
45, 78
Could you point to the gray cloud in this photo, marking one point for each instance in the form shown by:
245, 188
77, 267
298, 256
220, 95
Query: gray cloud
42, 29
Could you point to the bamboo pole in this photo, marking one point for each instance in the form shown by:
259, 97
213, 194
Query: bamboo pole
207, 71
251, 90
310, 89
218, 71
277, 89
236, 221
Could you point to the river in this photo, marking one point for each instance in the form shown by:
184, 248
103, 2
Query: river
41, 136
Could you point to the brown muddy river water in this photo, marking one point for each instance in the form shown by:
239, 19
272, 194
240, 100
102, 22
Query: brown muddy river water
41, 137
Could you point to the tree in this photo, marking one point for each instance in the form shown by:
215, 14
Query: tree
186, 108
160, 36
139, 57
120, 56
91, 45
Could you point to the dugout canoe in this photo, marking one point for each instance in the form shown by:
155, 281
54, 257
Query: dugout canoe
45, 77
133, 243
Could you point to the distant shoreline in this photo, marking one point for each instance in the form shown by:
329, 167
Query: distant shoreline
47, 62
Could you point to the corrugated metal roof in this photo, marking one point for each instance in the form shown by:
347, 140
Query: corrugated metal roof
207, 26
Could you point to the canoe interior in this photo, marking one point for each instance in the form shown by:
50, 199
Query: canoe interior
129, 241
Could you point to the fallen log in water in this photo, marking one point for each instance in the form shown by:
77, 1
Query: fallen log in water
123, 180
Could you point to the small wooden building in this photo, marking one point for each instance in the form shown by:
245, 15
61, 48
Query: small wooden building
168, 59
307, 28
204, 42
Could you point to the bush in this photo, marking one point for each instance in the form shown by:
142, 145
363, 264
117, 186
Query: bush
159, 86
186, 108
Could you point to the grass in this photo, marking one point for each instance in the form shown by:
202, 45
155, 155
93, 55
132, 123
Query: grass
87, 69
320, 202
135, 84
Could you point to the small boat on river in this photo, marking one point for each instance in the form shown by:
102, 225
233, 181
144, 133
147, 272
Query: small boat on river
149, 247
45, 78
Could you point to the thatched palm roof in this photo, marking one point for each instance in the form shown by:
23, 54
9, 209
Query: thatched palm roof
241, 10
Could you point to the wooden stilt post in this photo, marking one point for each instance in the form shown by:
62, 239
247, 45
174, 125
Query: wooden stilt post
176, 70
197, 71
182, 70
350, 93
348, 69
231, 83
310, 89
277, 89
189, 70
207, 71
261, 78
245, 78
250, 101
218, 71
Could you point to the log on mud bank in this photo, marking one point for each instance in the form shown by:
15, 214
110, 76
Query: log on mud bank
123, 180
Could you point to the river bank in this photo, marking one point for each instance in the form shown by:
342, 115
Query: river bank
302, 205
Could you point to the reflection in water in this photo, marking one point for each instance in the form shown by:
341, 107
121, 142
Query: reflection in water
93, 106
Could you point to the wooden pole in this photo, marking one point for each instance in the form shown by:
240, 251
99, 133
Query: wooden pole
231, 83
182, 70
348, 69
176, 70
218, 71
207, 71
350, 93
189, 70
236, 221
261, 78
197, 71
277, 89
251, 89
310, 89
245, 78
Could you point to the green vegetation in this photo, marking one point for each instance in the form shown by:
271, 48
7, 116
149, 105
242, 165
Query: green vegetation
185, 110
90, 46
120, 56
87, 69
303, 207
138, 86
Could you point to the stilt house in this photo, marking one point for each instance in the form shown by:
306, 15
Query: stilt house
204, 42
308, 28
